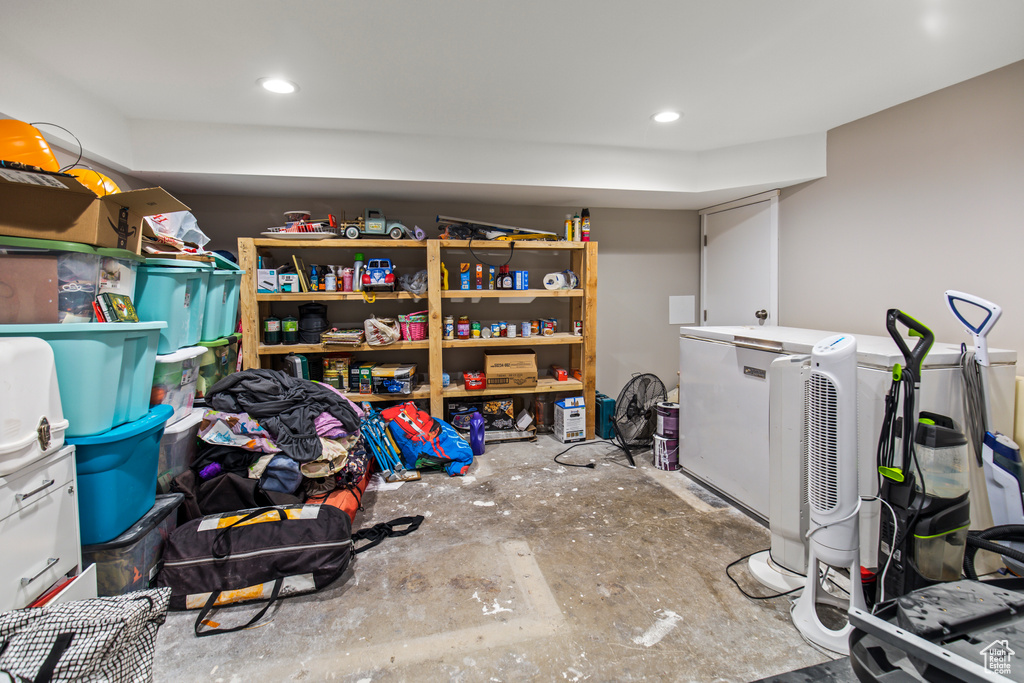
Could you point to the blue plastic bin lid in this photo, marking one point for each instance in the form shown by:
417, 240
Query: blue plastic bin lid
156, 418
58, 328
175, 263
224, 263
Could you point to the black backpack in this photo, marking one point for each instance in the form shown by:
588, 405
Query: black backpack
263, 554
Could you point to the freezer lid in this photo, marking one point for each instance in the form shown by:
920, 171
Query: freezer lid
872, 351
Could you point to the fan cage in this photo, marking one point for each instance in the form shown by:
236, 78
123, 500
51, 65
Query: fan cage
822, 410
635, 407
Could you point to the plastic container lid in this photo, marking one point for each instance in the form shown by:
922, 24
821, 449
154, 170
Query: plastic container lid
50, 328
176, 263
77, 247
186, 423
164, 506
223, 341
222, 263
181, 355
157, 416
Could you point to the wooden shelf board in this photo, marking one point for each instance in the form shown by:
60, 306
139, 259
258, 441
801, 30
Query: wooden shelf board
502, 293
422, 392
340, 243
276, 349
332, 296
520, 244
544, 385
534, 340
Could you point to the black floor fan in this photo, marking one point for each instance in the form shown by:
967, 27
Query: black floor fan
634, 419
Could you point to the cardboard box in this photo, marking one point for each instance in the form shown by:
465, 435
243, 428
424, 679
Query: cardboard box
57, 208
510, 368
29, 289
571, 420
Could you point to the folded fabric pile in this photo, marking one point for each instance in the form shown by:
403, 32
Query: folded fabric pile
271, 439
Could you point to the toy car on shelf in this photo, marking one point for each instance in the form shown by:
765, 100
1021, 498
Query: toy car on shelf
379, 274
374, 224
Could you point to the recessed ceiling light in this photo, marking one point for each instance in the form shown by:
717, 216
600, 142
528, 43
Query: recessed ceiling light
666, 116
278, 85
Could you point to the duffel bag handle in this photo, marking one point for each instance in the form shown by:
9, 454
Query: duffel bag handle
222, 535
378, 532
205, 611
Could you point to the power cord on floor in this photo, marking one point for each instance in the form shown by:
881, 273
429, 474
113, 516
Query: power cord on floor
745, 593
588, 465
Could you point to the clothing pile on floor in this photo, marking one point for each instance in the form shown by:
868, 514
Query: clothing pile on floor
271, 439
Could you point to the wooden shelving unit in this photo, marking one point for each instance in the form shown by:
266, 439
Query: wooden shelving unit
582, 259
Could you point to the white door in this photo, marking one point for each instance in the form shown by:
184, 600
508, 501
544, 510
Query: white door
739, 265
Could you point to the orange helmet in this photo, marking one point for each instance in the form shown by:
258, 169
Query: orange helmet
24, 144
95, 181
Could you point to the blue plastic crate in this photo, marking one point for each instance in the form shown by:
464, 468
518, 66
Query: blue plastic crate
117, 475
173, 291
221, 312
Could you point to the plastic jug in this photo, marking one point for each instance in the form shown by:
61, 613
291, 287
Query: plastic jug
476, 433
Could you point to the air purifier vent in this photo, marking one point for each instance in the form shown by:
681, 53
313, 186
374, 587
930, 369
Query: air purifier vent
822, 443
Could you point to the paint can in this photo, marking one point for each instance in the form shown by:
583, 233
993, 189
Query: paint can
666, 453
668, 420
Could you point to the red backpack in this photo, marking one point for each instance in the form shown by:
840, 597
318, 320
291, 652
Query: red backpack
424, 441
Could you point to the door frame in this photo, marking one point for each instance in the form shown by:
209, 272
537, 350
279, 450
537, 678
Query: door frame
772, 197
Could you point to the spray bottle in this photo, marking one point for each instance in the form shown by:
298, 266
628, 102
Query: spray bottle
568, 227
576, 228
585, 236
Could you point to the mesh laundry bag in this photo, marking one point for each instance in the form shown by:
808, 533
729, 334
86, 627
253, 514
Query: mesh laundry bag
103, 639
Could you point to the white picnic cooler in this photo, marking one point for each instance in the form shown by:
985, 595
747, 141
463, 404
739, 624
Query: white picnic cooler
32, 422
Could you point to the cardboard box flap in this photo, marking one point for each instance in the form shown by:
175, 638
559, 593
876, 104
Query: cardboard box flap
148, 202
46, 181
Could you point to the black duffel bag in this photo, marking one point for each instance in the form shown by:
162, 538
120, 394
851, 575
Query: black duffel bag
263, 554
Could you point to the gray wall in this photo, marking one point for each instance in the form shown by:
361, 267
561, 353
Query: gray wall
643, 258
920, 198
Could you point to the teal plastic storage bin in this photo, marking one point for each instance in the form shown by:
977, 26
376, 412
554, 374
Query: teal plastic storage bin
117, 475
173, 291
221, 312
105, 370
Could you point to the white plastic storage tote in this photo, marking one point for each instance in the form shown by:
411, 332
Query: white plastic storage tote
33, 421
174, 380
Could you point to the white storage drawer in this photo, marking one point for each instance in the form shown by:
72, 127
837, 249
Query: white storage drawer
21, 490
40, 545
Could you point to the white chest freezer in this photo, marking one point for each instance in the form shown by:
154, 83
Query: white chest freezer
725, 392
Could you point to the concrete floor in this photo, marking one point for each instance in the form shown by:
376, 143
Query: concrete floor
524, 570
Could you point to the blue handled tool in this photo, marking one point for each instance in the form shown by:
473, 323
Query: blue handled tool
979, 332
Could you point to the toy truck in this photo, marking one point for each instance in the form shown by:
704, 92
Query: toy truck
375, 224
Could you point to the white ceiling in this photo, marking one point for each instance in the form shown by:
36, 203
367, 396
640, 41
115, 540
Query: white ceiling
543, 101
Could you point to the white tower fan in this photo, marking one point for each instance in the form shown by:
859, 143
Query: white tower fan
832, 494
